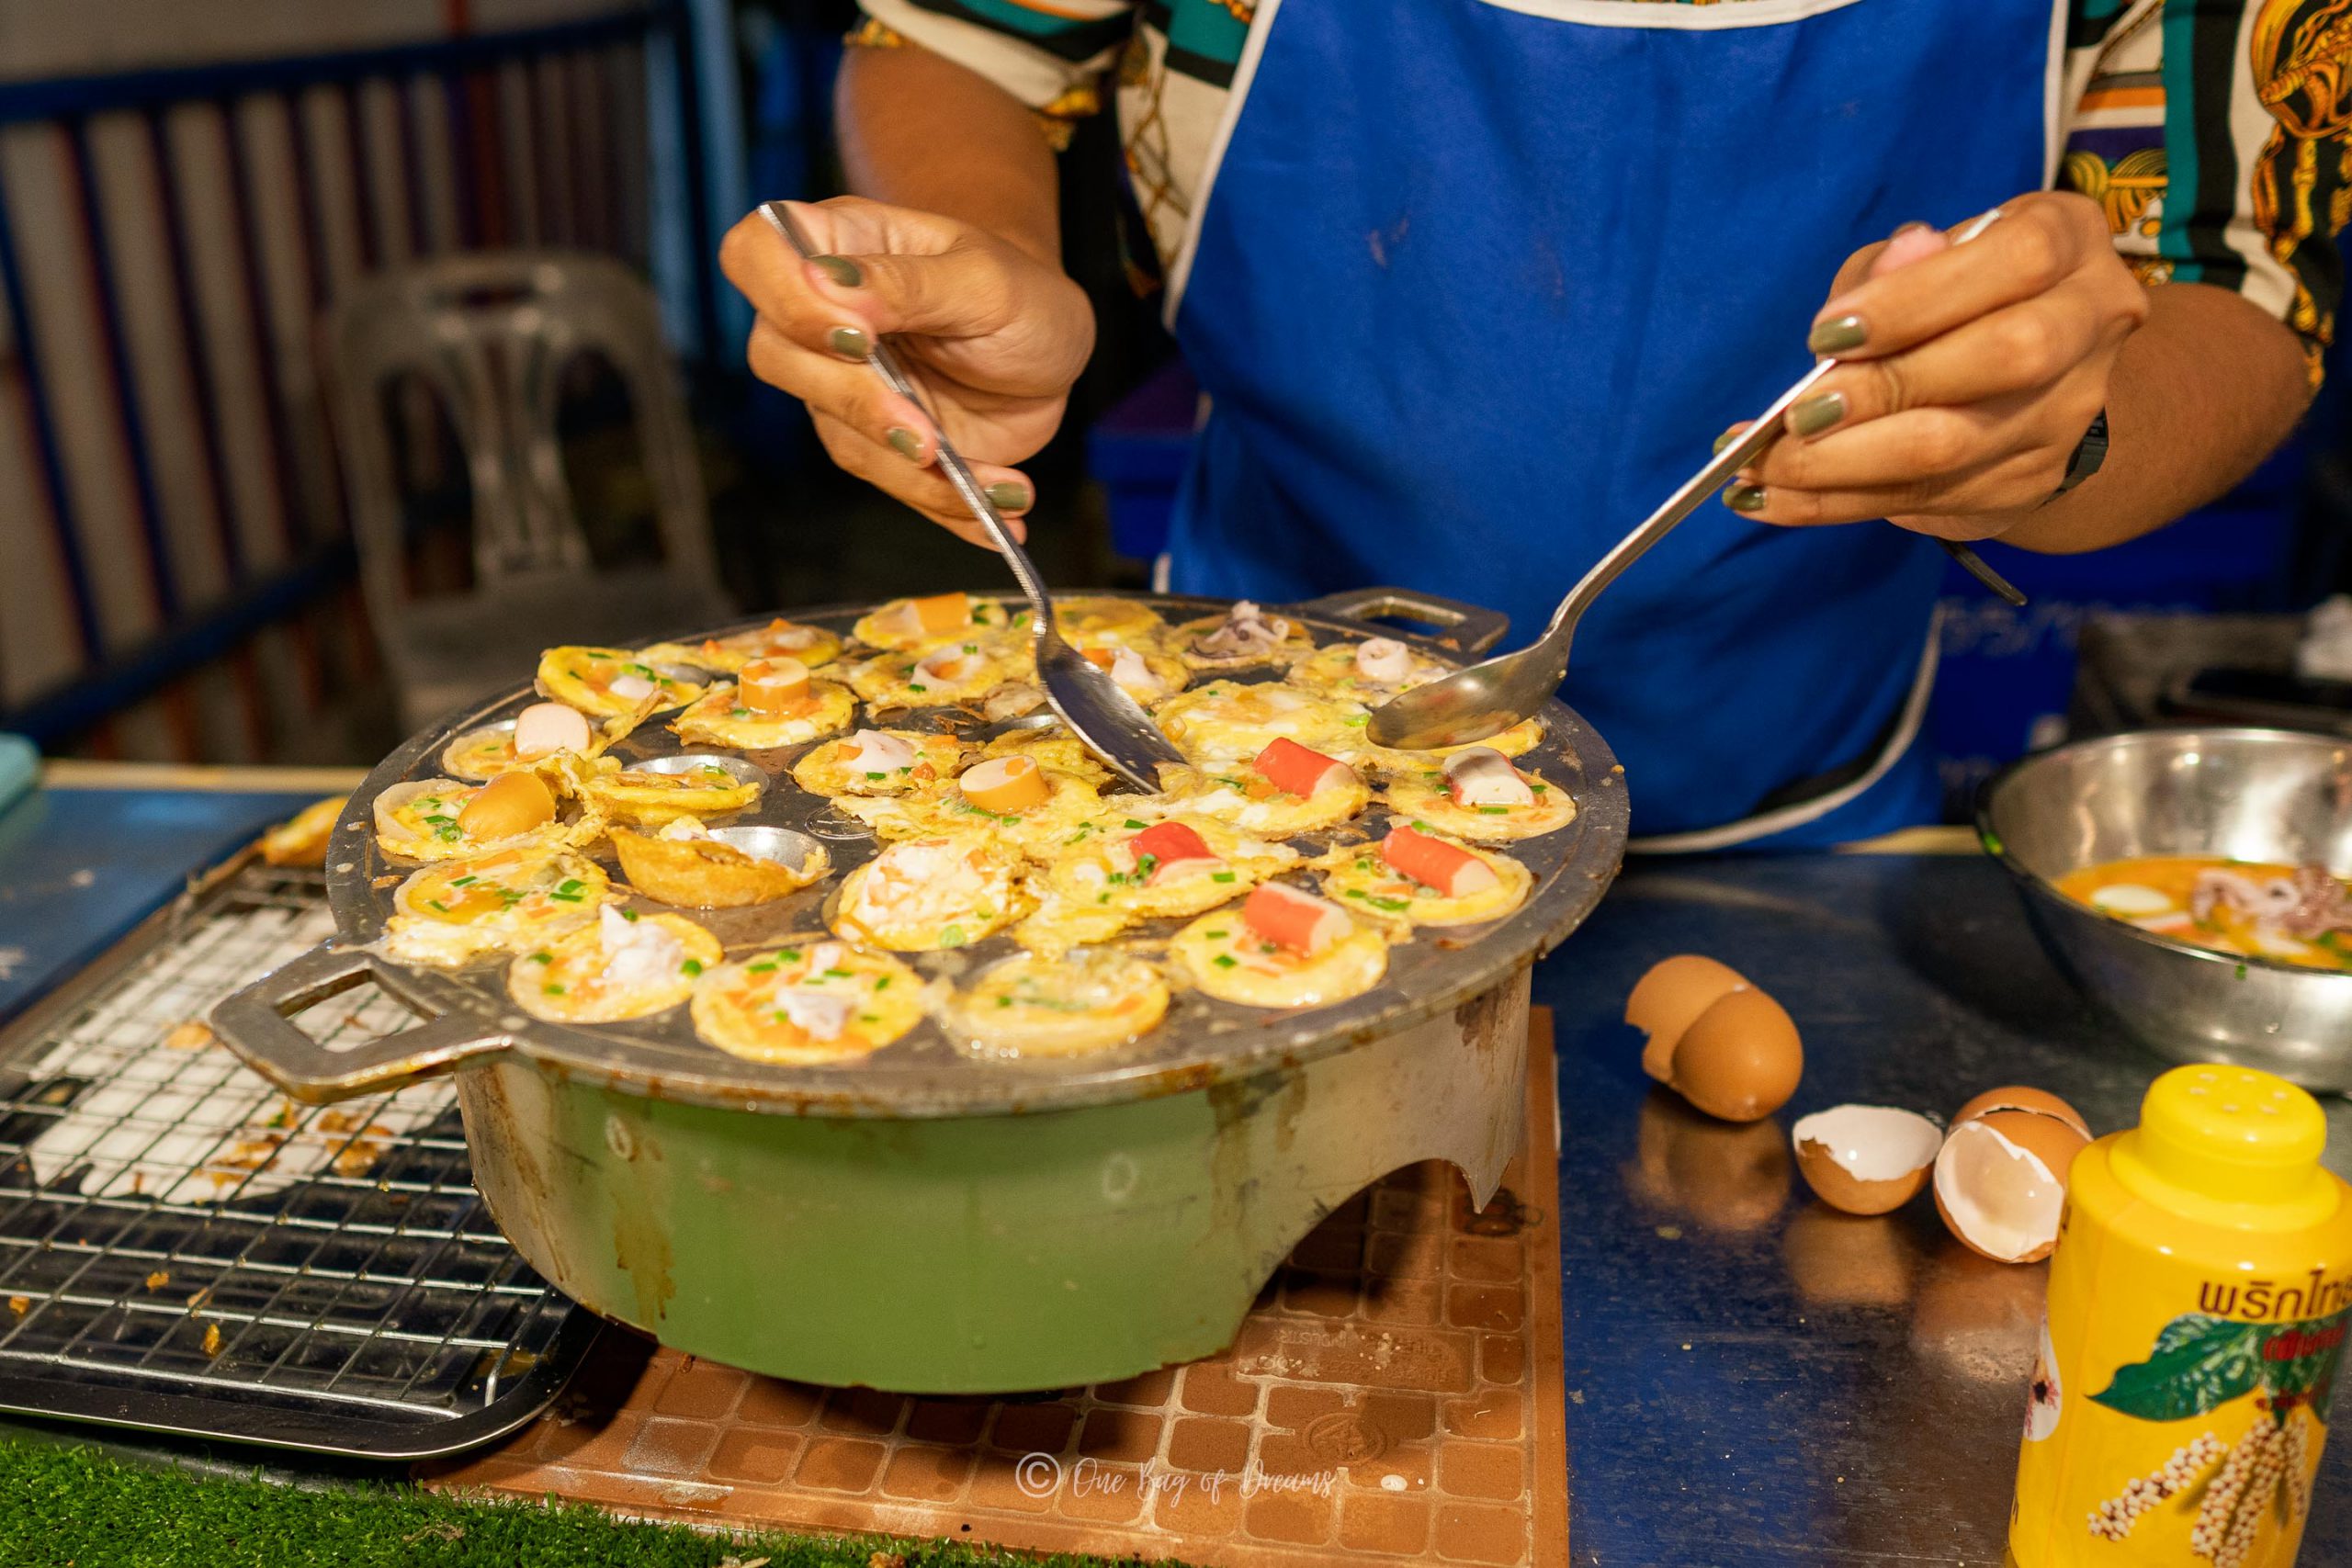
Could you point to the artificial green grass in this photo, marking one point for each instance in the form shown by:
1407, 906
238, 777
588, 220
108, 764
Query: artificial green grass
71, 1507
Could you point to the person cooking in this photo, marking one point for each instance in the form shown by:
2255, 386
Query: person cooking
1469, 283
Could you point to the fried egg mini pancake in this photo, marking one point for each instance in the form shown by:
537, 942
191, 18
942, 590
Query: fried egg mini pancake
1516, 741
1237, 793
1478, 795
813, 646
1034, 1007
728, 716
682, 786
626, 966
928, 893
949, 808
927, 622
1243, 637
1256, 953
1227, 721
810, 1000
1052, 748
457, 911
952, 671
1114, 871
1085, 620
880, 761
1370, 672
430, 819
606, 682
1424, 879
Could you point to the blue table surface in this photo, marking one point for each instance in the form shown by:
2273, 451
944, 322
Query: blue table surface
1750, 1379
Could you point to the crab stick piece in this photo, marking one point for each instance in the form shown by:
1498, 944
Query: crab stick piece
544, 728
1297, 770
507, 805
1383, 661
1290, 919
1170, 845
772, 685
876, 752
1433, 862
1006, 785
1480, 775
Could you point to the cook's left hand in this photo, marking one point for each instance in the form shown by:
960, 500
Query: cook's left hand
1967, 374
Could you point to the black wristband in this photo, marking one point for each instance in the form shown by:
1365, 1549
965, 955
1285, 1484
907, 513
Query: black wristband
2089, 453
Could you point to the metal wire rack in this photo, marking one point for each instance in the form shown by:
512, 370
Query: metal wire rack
183, 1249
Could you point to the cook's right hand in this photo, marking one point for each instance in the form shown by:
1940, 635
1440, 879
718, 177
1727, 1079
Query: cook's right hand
992, 336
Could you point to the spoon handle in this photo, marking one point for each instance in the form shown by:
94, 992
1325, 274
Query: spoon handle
951, 462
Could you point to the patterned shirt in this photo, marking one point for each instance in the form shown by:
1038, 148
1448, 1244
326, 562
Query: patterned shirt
2216, 134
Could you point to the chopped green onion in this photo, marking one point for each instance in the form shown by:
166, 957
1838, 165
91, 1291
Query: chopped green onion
691, 966
543, 958
839, 974
912, 687
567, 897
789, 954
1133, 823
551, 990
1494, 811
952, 937
877, 776
882, 982
1225, 961
1004, 1001
461, 881
436, 904
628, 914
1221, 876
1216, 936
1391, 903
569, 884
760, 968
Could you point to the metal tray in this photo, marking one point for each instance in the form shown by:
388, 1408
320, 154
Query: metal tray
1202, 1040
348, 1295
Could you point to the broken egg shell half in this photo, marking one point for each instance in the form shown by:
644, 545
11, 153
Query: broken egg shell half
2001, 1182
1866, 1159
1669, 999
2020, 1097
1740, 1059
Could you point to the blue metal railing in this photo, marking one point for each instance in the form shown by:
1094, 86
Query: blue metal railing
466, 192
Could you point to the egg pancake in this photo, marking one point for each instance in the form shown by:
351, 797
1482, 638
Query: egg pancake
454, 912
1420, 798
810, 1000
1237, 794
1095, 883
951, 671
1087, 620
642, 795
1340, 669
721, 719
1360, 879
927, 893
1067, 1007
1145, 673
422, 819
626, 966
479, 755
681, 865
1224, 958
1052, 748
813, 646
1516, 741
605, 682
830, 769
1227, 721
927, 622
942, 808
1244, 636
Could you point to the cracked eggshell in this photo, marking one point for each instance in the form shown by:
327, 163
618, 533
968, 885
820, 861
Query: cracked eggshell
1669, 998
2018, 1097
2001, 1182
1866, 1159
1741, 1059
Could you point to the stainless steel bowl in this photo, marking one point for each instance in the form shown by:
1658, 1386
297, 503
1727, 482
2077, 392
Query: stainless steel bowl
2258, 794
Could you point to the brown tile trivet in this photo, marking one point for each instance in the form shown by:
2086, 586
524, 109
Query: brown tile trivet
1396, 1394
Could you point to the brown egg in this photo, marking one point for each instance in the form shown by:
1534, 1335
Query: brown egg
1837, 1259
507, 805
2018, 1096
2001, 1182
1740, 1059
1669, 997
1866, 1159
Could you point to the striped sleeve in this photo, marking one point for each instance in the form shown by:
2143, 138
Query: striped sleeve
1050, 54
2214, 134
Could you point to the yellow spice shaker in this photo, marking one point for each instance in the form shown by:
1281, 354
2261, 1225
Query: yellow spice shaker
2198, 1304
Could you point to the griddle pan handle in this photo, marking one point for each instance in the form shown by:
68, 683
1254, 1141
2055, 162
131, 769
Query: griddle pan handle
1471, 628
257, 1025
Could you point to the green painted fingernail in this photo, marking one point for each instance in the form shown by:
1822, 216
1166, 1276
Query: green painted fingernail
1837, 334
1816, 414
850, 343
1006, 496
1726, 438
1744, 498
906, 443
841, 269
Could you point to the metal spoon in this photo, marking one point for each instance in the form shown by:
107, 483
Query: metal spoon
1488, 698
1106, 719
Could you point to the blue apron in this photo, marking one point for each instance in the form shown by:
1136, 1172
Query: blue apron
1476, 283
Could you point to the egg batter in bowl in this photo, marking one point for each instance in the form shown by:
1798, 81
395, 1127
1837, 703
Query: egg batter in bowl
2299, 915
